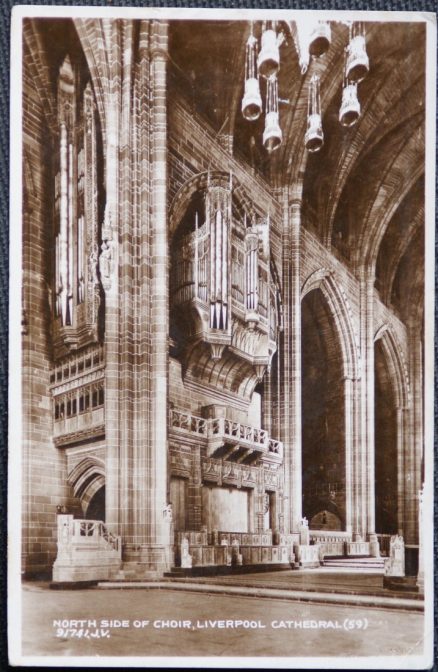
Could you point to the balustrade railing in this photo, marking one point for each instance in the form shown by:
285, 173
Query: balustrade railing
96, 530
275, 447
188, 422
227, 430
82, 532
87, 550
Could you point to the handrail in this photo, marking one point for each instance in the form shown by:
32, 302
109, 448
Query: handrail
95, 529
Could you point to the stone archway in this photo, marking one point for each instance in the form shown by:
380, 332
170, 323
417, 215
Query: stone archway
87, 479
391, 419
323, 411
385, 442
339, 338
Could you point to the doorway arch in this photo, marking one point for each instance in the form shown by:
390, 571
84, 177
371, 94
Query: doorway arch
87, 479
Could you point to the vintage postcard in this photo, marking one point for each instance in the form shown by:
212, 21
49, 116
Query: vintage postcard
221, 390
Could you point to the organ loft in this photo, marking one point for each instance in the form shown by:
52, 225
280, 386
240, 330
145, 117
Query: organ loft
223, 281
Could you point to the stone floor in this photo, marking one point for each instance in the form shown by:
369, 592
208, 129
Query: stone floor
274, 627
323, 579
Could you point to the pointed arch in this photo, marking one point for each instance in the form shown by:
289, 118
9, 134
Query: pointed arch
91, 37
397, 368
86, 479
324, 279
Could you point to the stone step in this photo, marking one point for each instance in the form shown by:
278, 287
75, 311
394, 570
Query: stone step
215, 570
364, 562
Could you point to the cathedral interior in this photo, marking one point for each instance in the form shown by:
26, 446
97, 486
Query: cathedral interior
223, 293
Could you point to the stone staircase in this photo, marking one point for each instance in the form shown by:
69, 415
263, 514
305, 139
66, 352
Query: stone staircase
360, 563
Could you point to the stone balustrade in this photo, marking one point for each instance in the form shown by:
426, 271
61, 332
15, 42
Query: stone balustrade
187, 422
220, 432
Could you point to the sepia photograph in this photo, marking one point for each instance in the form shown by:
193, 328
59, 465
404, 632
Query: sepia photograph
221, 338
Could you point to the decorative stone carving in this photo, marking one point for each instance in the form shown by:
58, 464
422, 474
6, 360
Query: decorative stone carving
186, 558
107, 259
106, 264
304, 532
395, 564
307, 556
236, 556
87, 550
92, 268
168, 513
224, 542
374, 546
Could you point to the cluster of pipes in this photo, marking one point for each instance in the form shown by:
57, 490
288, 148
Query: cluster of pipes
311, 39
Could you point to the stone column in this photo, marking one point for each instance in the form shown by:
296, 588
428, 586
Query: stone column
350, 447
109, 272
363, 463
290, 366
267, 403
159, 296
414, 446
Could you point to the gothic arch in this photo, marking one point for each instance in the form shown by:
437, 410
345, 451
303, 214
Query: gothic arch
86, 479
398, 372
91, 36
324, 280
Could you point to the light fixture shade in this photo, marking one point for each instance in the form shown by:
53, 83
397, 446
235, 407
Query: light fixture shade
350, 106
252, 100
358, 63
314, 138
319, 38
272, 135
268, 61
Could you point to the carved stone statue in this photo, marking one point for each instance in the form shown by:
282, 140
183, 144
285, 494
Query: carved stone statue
186, 558
304, 532
92, 267
395, 564
236, 557
106, 263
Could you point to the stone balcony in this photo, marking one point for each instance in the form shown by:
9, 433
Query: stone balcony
227, 439
81, 426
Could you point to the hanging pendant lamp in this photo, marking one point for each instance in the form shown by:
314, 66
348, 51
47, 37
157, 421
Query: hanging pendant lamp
314, 138
252, 100
350, 106
319, 38
268, 61
272, 135
358, 64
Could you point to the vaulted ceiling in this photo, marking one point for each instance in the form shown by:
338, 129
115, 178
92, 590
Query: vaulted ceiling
363, 193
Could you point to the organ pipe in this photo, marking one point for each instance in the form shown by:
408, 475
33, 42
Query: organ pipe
63, 244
